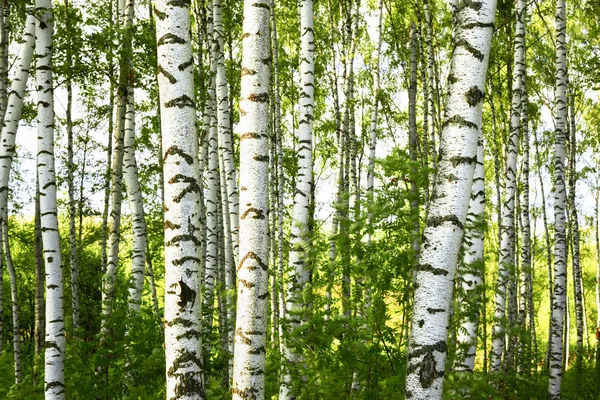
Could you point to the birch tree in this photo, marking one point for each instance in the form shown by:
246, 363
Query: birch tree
298, 272
253, 279
507, 261
472, 270
183, 341
54, 379
560, 255
473, 26
16, 337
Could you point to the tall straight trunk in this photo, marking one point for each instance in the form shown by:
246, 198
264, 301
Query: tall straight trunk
298, 271
412, 144
526, 267
560, 253
150, 276
70, 183
54, 379
507, 262
574, 224
126, 12
134, 194
597, 282
448, 209
4, 32
40, 320
109, 151
471, 270
183, 335
431, 109
224, 124
16, 337
253, 278
214, 179
547, 239
425, 84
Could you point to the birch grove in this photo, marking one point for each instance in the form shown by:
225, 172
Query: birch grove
338, 199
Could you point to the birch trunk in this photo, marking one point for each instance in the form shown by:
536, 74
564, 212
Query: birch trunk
471, 276
507, 264
183, 338
253, 278
134, 194
224, 124
54, 379
432, 150
16, 337
298, 271
126, 12
577, 284
40, 320
13, 111
560, 256
70, 184
448, 209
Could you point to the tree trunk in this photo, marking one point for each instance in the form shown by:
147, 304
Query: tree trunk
224, 124
444, 228
15, 301
70, 183
472, 270
54, 379
126, 13
253, 278
298, 271
138, 219
507, 263
40, 305
183, 337
560, 255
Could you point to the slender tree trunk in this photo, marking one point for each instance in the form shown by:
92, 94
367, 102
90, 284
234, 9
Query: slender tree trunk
526, 264
472, 266
54, 380
574, 223
560, 256
150, 276
224, 124
507, 263
4, 32
70, 183
437, 264
183, 335
413, 139
126, 12
16, 337
253, 278
40, 305
134, 194
432, 150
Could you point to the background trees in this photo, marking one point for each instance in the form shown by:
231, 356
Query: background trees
346, 311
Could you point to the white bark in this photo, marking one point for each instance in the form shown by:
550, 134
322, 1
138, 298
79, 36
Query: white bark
134, 194
253, 279
298, 273
54, 379
449, 202
15, 301
225, 139
560, 254
183, 341
126, 13
472, 270
14, 108
507, 263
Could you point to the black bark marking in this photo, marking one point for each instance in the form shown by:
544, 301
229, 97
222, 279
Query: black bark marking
260, 97
261, 5
169, 225
258, 214
439, 220
181, 102
182, 260
261, 158
174, 150
247, 71
191, 188
159, 14
474, 96
458, 120
161, 70
431, 269
469, 47
427, 372
169, 38
252, 255
187, 295
186, 64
